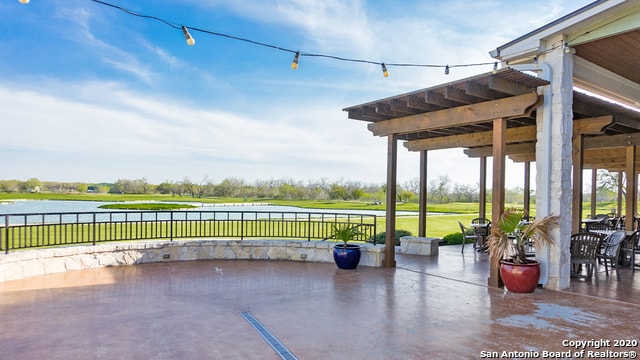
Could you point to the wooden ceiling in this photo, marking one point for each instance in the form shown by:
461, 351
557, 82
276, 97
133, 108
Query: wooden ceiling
619, 53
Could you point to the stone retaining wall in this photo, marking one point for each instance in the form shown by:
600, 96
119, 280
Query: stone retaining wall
23, 264
415, 245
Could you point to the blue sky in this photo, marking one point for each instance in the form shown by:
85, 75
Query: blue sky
89, 93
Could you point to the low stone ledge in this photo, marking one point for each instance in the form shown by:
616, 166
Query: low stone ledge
28, 263
414, 245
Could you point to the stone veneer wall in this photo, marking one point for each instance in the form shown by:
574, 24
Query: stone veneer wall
23, 264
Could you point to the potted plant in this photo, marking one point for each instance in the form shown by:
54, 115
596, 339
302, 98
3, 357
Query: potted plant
345, 255
508, 244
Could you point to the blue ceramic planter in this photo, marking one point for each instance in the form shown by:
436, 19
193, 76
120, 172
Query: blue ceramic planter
347, 257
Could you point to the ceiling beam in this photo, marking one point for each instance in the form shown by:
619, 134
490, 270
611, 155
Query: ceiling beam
481, 91
611, 141
458, 116
484, 138
591, 126
507, 87
432, 97
513, 135
455, 94
511, 149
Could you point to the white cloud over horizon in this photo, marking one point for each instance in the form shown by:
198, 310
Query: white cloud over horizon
123, 97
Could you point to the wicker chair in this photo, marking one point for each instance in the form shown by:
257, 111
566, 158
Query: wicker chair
584, 247
468, 234
610, 251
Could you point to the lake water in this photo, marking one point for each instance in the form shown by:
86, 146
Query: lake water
55, 206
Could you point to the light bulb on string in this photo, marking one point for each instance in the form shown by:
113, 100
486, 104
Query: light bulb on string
384, 70
294, 64
495, 67
190, 40
24, 1
446, 70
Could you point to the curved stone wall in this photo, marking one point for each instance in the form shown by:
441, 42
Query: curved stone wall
23, 264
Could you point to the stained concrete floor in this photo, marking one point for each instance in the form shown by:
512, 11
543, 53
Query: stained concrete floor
426, 308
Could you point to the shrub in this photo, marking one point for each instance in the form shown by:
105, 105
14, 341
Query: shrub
379, 238
453, 239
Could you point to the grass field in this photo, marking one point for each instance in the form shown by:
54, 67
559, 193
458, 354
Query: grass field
443, 221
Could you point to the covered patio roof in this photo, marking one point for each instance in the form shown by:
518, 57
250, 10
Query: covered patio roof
605, 124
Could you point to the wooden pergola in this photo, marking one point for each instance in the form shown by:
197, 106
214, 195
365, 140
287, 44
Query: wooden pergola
494, 114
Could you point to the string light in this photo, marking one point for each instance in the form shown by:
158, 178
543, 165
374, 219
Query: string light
384, 70
24, 1
446, 70
298, 54
190, 40
495, 67
294, 64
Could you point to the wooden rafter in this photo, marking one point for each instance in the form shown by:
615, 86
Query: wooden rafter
463, 115
513, 135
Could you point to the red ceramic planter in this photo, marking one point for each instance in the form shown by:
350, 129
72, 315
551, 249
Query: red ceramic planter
520, 278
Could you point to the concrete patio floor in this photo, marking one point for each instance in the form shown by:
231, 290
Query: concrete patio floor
426, 308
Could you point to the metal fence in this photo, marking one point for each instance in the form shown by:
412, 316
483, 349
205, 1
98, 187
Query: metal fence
22, 231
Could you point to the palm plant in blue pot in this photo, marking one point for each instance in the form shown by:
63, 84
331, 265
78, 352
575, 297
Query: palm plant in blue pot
345, 255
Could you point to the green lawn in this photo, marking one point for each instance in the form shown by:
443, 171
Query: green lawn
446, 222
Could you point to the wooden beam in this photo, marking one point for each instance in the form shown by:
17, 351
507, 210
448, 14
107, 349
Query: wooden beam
481, 91
482, 211
498, 193
507, 87
520, 134
612, 141
432, 97
511, 149
483, 138
422, 193
527, 187
632, 187
451, 93
392, 170
398, 105
576, 203
458, 116
523, 157
592, 126
594, 188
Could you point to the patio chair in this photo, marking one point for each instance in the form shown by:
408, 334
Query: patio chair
610, 251
467, 234
584, 247
482, 229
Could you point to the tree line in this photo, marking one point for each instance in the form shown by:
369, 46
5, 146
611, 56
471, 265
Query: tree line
439, 190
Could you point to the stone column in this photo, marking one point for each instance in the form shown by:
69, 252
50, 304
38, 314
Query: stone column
553, 161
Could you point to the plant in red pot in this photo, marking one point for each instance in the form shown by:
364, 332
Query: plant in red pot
345, 255
510, 242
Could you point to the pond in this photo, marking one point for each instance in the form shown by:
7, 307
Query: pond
64, 206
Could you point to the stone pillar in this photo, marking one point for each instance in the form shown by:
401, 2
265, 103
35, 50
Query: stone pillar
553, 161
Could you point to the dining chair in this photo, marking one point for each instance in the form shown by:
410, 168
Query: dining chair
468, 234
584, 247
610, 251
482, 229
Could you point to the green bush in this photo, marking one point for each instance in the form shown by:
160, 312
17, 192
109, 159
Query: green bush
379, 238
453, 239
